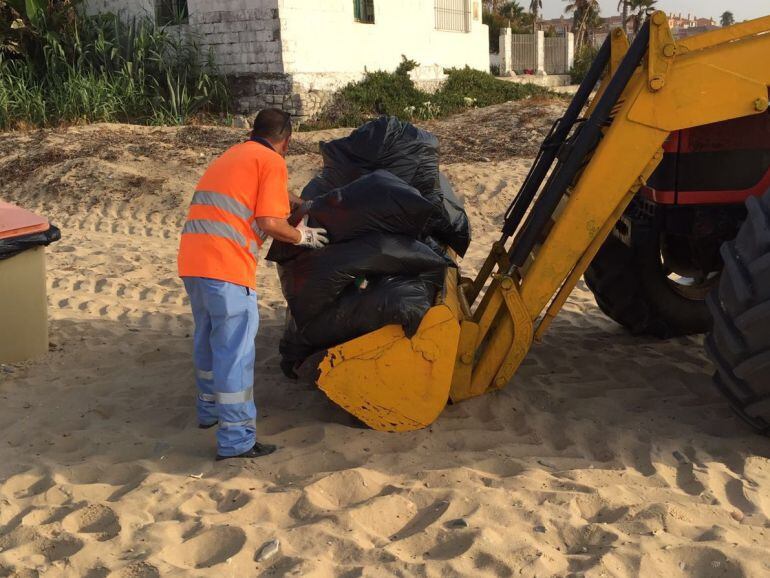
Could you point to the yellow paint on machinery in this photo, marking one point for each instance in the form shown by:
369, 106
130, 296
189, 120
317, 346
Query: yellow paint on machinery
393, 383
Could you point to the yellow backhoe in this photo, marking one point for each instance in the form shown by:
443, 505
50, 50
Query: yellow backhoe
592, 164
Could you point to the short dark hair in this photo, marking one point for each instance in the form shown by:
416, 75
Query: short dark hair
272, 124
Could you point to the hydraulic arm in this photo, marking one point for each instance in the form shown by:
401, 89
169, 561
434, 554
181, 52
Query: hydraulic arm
592, 163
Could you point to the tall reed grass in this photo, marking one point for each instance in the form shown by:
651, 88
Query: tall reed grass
109, 69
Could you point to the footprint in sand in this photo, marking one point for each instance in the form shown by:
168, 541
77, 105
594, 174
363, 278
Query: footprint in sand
95, 519
382, 516
343, 489
692, 561
221, 501
30, 542
136, 570
207, 549
685, 475
27, 484
453, 546
422, 520
45, 516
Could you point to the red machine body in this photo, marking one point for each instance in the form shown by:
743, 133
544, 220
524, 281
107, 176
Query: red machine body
716, 164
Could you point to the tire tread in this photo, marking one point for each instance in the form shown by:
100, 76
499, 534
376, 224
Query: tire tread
739, 344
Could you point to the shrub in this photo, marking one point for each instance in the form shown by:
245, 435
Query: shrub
484, 88
583, 59
394, 93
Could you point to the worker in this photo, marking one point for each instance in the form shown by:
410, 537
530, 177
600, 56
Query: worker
241, 200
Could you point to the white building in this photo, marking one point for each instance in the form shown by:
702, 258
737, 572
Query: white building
293, 53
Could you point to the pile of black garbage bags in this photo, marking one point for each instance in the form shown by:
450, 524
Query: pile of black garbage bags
390, 217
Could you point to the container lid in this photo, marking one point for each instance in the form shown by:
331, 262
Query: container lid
17, 222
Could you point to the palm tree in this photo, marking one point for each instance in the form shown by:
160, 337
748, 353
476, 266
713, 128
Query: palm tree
512, 11
535, 6
585, 14
728, 19
641, 7
623, 7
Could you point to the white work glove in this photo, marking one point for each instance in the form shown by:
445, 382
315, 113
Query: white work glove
313, 238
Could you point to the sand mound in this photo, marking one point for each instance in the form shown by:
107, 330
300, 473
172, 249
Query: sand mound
607, 455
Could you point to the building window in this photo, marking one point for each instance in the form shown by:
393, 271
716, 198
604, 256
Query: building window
171, 12
453, 15
363, 11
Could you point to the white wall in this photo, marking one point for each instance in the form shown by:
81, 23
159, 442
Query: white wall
323, 46
128, 8
318, 42
290, 53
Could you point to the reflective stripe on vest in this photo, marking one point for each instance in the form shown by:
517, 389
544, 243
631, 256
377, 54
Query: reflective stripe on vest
215, 228
220, 201
258, 232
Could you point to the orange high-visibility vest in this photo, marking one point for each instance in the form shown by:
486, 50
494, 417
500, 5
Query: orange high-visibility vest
220, 239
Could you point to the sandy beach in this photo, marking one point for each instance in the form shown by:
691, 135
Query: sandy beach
606, 455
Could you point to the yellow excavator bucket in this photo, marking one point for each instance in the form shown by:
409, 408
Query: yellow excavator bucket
596, 158
394, 383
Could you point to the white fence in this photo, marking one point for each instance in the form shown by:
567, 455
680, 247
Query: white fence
535, 53
556, 57
523, 52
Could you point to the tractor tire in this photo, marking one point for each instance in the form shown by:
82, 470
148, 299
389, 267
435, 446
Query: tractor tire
632, 288
739, 344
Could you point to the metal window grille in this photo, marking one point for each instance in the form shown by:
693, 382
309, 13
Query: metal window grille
363, 11
453, 15
170, 12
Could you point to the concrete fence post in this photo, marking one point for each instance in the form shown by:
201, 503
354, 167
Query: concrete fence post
506, 52
570, 44
540, 53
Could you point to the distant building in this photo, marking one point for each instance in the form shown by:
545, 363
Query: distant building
560, 25
563, 25
293, 54
688, 25
612, 22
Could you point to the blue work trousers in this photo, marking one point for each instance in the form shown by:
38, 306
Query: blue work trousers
226, 323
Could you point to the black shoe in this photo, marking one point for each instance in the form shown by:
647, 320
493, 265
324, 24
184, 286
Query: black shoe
257, 451
207, 426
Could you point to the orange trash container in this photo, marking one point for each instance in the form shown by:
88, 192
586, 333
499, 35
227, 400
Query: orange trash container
23, 306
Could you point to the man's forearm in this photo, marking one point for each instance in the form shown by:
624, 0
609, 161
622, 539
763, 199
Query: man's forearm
279, 229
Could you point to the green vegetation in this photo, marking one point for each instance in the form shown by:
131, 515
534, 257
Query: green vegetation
58, 66
583, 59
585, 19
498, 15
394, 93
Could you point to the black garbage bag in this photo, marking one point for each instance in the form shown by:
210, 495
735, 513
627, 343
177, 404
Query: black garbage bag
315, 279
316, 187
387, 143
15, 245
375, 203
406, 151
452, 228
360, 310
